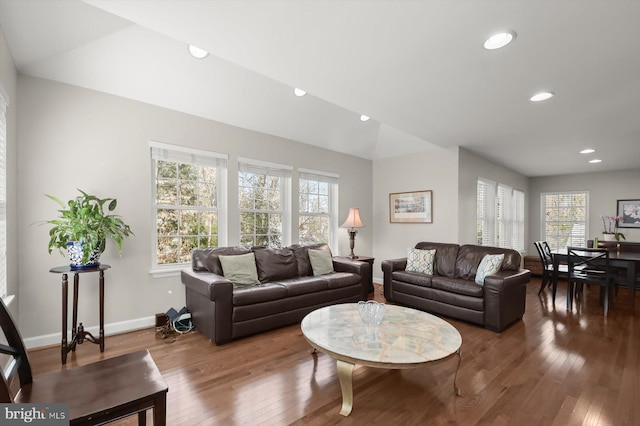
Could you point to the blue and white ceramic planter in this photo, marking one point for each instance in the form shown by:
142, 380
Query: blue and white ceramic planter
74, 250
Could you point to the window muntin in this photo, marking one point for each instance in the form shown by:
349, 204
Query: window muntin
564, 218
189, 202
264, 202
317, 205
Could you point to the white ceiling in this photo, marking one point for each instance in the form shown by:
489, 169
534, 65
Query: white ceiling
417, 68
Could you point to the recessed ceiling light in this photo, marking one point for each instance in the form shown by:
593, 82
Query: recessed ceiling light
499, 40
595, 160
299, 92
542, 96
197, 53
364, 117
587, 151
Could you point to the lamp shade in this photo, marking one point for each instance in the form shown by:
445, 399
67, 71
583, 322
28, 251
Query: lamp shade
353, 219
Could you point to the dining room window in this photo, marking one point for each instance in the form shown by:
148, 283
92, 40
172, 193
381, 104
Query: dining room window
564, 218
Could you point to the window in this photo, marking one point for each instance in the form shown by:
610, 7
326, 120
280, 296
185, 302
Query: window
500, 215
189, 202
317, 217
3, 195
264, 194
564, 218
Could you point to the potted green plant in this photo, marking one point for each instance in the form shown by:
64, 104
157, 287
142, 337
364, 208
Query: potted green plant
84, 226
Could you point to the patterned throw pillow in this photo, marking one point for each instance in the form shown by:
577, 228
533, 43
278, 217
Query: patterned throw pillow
489, 265
420, 261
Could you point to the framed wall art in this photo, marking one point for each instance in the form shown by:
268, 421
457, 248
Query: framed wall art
410, 207
629, 210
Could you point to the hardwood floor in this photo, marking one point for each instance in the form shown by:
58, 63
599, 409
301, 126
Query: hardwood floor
553, 368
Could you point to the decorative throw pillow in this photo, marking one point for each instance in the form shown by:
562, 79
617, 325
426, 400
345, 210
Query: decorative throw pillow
240, 269
321, 261
489, 265
420, 260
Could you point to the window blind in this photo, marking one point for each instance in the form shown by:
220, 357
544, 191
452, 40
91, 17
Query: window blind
3, 195
486, 203
179, 154
318, 176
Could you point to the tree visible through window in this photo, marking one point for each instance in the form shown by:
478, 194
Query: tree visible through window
565, 218
263, 191
317, 216
188, 205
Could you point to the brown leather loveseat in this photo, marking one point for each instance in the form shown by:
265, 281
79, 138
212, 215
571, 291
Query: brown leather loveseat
286, 292
452, 290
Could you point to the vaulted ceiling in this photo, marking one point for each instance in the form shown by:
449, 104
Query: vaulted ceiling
417, 68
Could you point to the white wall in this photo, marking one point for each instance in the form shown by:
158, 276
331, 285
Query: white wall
471, 167
605, 188
77, 138
435, 170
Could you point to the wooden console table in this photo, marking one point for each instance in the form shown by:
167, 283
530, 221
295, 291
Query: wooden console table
78, 335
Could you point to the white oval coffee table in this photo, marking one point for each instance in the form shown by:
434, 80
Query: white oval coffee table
406, 338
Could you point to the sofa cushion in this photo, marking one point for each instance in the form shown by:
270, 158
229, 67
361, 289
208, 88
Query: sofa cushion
302, 257
489, 265
458, 286
341, 279
206, 259
303, 285
321, 262
412, 277
445, 258
470, 256
260, 293
420, 261
240, 269
275, 264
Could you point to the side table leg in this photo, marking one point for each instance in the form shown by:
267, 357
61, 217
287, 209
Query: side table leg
345, 374
65, 293
74, 330
101, 337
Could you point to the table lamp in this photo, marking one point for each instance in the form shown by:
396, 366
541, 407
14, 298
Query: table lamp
352, 224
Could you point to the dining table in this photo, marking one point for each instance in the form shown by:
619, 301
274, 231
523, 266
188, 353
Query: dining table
617, 258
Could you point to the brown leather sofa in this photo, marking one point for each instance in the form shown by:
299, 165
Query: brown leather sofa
288, 290
452, 290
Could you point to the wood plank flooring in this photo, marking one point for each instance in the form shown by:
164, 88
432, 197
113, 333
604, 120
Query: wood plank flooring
556, 367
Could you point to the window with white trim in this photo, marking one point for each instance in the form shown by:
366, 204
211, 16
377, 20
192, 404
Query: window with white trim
500, 215
264, 194
318, 207
3, 195
564, 218
189, 202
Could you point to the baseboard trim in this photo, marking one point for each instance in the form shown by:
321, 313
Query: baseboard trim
109, 329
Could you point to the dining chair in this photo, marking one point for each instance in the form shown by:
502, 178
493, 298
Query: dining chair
589, 266
546, 258
95, 393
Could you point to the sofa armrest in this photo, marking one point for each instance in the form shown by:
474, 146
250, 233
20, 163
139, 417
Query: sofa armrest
388, 266
505, 295
355, 267
208, 284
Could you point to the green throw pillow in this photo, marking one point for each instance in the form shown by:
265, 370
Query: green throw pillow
489, 265
321, 261
420, 261
240, 269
